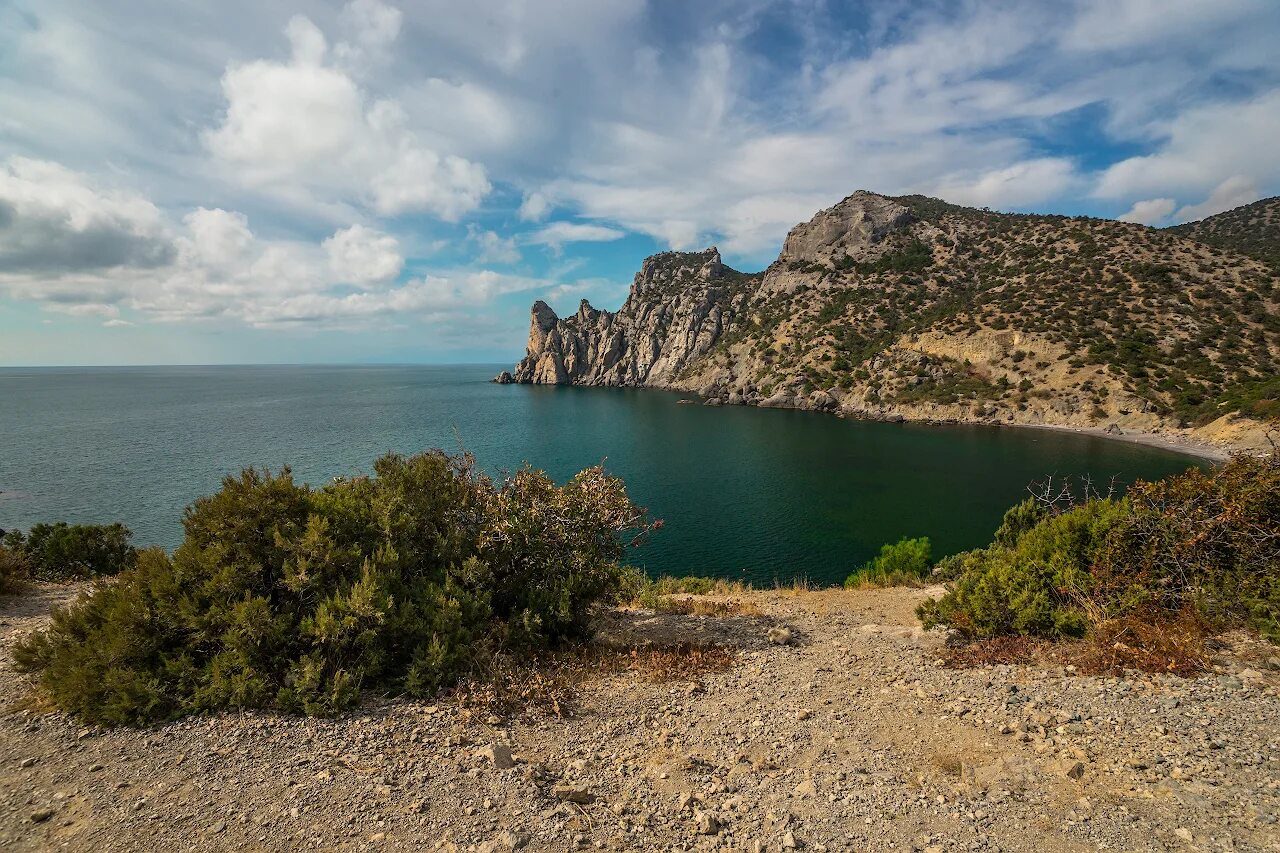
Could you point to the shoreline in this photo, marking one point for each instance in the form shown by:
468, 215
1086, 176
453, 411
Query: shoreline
1174, 444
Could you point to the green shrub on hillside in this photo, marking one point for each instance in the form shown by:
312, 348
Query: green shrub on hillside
1032, 586
13, 570
1204, 542
61, 551
1210, 541
905, 562
300, 599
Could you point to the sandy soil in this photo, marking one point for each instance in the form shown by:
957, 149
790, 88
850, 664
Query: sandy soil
841, 732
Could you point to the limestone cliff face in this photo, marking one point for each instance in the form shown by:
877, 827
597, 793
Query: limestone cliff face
912, 308
679, 307
855, 227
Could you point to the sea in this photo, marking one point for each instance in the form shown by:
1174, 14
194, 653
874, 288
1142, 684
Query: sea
763, 495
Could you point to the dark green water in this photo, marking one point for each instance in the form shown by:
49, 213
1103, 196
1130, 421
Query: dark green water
754, 493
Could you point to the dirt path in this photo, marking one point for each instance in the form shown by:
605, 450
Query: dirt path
850, 737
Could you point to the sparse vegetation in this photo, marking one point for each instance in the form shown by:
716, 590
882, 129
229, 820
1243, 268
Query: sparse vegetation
692, 595
1172, 560
62, 552
905, 563
300, 599
1176, 327
13, 571
1252, 230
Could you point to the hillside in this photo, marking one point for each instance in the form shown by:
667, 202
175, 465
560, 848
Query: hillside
1252, 230
918, 309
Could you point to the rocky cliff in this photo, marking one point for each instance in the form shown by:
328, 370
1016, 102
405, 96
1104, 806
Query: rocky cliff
679, 307
913, 308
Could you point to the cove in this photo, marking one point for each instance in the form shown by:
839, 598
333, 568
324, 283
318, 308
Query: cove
762, 495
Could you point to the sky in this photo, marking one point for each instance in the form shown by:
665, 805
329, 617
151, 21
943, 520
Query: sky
272, 181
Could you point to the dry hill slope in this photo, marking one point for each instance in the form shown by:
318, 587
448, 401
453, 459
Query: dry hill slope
1252, 230
915, 308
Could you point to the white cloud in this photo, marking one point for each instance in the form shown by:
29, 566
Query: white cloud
717, 122
218, 239
361, 255
426, 296
1026, 183
558, 233
1124, 24
421, 179
1152, 211
373, 26
494, 248
305, 129
534, 207
210, 266
1233, 192
1204, 146
54, 218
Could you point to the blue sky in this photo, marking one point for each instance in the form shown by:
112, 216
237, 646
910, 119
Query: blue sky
371, 181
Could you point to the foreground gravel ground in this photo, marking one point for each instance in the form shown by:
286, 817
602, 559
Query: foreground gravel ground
845, 735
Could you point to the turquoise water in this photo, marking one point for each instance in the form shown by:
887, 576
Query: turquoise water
747, 493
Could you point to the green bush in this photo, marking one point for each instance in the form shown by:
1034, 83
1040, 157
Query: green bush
1018, 520
1033, 586
905, 562
287, 597
61, 551
13, 570
1210, 541
1204, 542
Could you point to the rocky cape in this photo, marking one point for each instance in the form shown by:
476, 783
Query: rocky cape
914, 309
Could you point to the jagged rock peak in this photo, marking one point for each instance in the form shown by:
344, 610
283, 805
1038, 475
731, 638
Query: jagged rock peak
542, 321
667, 268
851, 227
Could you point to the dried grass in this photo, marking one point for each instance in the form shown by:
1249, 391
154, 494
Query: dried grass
1010, 650
1159, 643
1170, 645
681, 662
553, 685
697, 606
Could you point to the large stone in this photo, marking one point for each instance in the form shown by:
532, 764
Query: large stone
498, 755
1005, 772
573, 794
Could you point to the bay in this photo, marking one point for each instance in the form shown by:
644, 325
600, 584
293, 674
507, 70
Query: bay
756, 494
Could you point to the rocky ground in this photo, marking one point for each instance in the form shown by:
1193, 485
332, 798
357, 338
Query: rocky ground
835, 728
